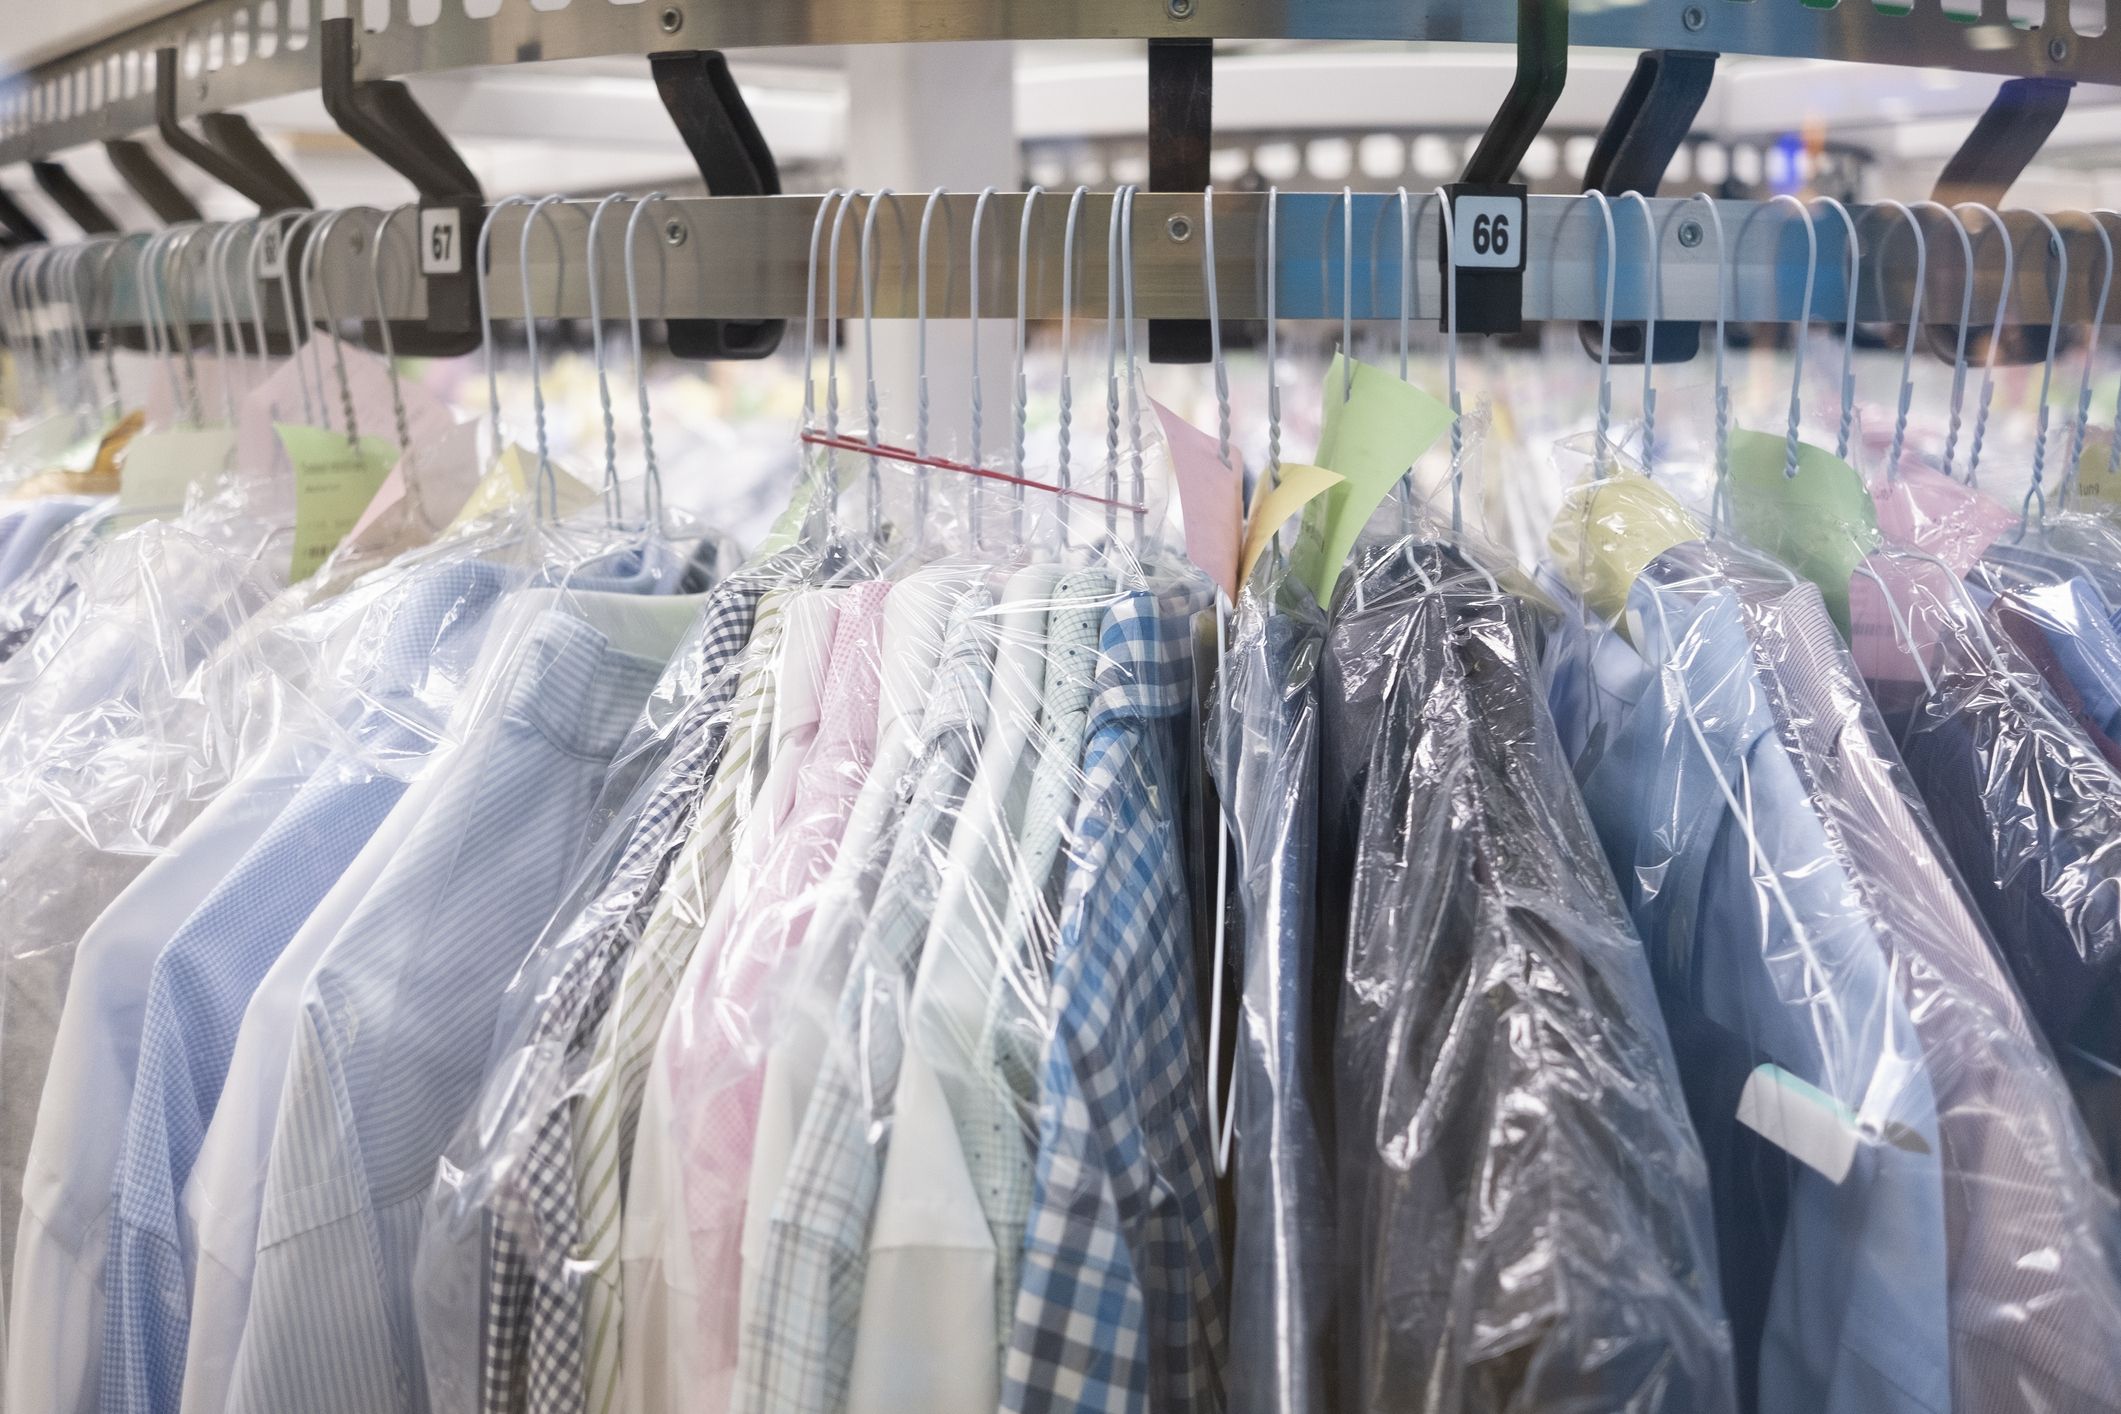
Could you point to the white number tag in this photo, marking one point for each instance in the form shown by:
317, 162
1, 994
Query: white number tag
441, 241
272, 262
1487, 232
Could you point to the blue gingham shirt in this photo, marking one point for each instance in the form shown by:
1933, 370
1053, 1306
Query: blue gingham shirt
1119, 1304
203, 980
397, 1025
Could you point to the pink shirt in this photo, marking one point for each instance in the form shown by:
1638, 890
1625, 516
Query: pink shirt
717, 1065
1906, 613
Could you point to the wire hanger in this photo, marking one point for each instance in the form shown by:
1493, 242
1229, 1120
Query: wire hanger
2036, 492
1605, 337
1847, 424
1138, 481
1907, 350
1649, 333
1802, 330
547, 500
1995, 338
593, 256
977, 455
1070, 254
1722, 392
2091, 356
1022, 405
486, 342
872, 408
921, 470
1217, 1101
651, 473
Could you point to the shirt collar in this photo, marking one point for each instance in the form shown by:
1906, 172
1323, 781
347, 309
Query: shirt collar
1145, 662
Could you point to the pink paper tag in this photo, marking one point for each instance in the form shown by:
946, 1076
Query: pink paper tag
1210, 498
1929, 511
281, 398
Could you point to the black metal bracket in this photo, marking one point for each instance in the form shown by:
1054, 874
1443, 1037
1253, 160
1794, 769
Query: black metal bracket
140, 171
230, 151
1181, 128
1491, 299
80, 208
710, 114
21, 227
2003, 143
1655, 113
385, 119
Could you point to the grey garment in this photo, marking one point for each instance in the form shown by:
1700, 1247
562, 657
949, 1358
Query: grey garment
397, 1025
1514, 1150
1265, 753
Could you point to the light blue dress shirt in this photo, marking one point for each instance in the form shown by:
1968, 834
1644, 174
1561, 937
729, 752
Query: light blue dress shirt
204, 977
397, 1024
1765, 957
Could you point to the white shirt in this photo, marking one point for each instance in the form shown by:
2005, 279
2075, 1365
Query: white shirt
930, 1286
63, 1235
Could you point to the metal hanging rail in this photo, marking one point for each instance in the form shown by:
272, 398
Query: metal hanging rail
748, 258
234, 52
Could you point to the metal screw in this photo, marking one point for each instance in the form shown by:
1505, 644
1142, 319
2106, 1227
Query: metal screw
673, 20
1180, 228
1180, 9
357, 242
2058, 49
1690, 234
1693, 17
674, 232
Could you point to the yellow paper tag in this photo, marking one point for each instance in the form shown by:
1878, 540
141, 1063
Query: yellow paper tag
1820, 522
1609, 529
160, 468
334, 482
2095, 486
1273, 505
1370, 438
509, 483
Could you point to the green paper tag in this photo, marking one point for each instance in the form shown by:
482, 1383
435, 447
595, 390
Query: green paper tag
1820, 522
1370, 438
334, 482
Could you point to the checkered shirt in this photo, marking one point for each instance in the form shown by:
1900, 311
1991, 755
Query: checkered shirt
1118, 1307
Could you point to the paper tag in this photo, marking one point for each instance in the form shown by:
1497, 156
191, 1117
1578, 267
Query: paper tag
272, 257
1820, 522
441, 240
2095, 485
334, 482
1608, 530
1487, 232
1800, 1119
509, 483
1210, 497
1371, 438
1273, 505
160, 468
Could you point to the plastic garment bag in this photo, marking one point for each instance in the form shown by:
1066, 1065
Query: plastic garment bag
364, 686
2025, 802
1908, 1215
110, 749
1265, 749
1523, 1209
497, 1278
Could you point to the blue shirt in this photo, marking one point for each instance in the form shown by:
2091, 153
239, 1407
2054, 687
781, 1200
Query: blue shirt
397, 1023
1119, 1297
1770, 973
204, 977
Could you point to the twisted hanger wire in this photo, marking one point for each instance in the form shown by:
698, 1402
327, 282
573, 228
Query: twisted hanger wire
1847, 425
486, 343
871, 408
1954, 418
1907, 350
1995, 338
1803, 327
2091, 356
1023, 393
548, 491
651, 472
1723, 389
1649, 333
593, 254
1605, 334
1070, 253
2037, 492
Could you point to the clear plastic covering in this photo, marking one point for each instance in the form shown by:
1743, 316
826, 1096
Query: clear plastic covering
788, 1079
1522, 1208
1266, 749
1908, 1213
